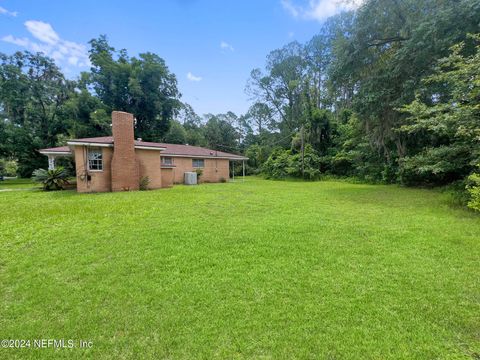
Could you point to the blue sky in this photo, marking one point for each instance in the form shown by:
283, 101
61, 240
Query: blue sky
211, 46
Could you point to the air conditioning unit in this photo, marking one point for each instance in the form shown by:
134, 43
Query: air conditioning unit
190, 178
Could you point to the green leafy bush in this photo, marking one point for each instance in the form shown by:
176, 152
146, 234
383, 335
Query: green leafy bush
55, 179
474, 190
286, 163
436, 166
144, 181
8, 168
199, 173
257, 156
276, 165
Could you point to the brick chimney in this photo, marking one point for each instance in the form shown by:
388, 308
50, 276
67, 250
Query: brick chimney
124, 163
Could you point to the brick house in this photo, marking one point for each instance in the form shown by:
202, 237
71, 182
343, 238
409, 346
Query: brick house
118, 162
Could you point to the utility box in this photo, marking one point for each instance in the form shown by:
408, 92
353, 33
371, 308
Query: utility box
190, 178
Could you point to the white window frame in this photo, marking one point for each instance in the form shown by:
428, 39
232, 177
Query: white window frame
169, 163
99, 159
196, 166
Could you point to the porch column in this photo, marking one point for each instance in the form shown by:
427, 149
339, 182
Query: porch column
51, 162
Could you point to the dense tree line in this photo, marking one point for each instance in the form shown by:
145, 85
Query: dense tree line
386, 93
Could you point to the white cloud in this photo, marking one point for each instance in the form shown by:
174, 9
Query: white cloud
192, 77
226, 46
73, 60
4, 11
42, 31
319, 9
292, 9
24, 42
64, 52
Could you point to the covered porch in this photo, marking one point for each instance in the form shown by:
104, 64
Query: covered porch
54, 154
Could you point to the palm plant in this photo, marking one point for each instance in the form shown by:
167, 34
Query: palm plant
54, 179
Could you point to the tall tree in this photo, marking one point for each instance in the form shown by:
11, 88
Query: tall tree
176, 134
281, 87
187, 116
33, 93
259, 115
220, 133
143, 86
446, 116
84, 113
192, 123
390, 46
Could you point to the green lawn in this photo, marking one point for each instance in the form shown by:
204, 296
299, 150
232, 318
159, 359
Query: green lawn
260, 269
15, 184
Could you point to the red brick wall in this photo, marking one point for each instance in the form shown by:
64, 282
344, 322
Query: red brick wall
125, 174
100, 181
214, 170
149, 165
167, 177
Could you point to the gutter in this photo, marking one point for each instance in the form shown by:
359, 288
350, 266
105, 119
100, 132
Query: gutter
84, 143
203, 156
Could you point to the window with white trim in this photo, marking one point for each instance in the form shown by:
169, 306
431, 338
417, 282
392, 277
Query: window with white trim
95, 159
198, 163
167, 160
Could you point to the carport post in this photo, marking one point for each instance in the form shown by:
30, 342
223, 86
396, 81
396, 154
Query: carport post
243, 170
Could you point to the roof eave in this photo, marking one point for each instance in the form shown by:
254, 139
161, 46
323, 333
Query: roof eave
88, 143
46, 152
141, 147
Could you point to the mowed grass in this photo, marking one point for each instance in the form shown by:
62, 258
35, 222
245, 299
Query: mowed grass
15, 184
259, 269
